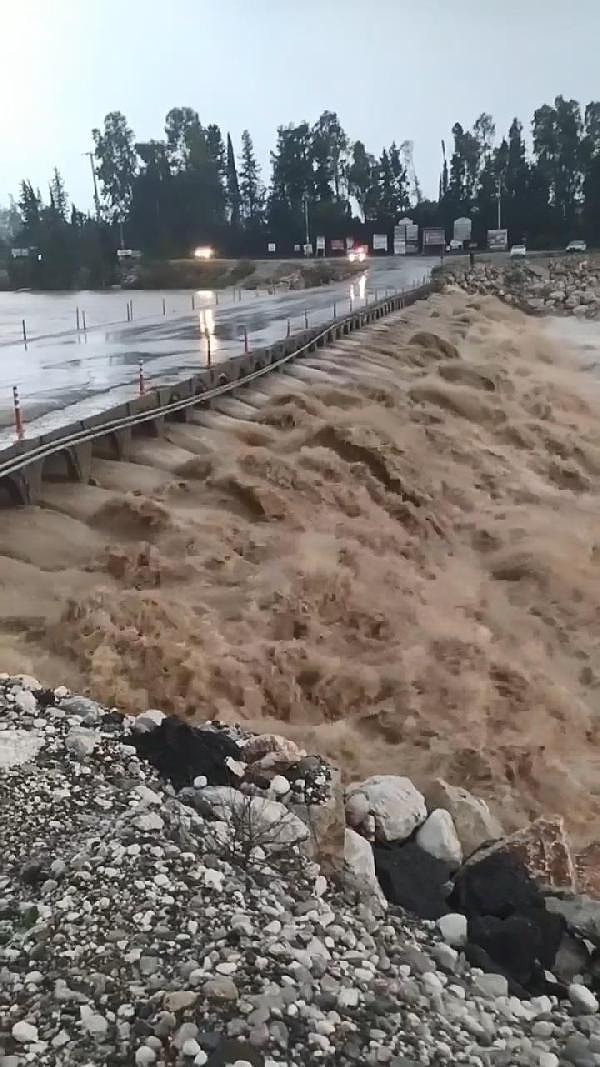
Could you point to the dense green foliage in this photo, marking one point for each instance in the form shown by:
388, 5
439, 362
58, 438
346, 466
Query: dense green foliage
166, 196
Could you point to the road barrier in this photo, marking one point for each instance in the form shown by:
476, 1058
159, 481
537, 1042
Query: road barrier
22, 464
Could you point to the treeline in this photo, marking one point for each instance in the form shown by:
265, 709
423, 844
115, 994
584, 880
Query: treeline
192, 186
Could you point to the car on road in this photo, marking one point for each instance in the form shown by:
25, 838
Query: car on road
518, 252
576, 246
455, 245
357, 254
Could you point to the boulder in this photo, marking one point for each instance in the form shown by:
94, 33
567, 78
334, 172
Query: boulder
261, 822
181, 753
326, 824
543, 849
397, 807
438, 837
413, 879
281, 748
581, 914
359, 867
571, 960
473, 822
453, 928
583, 1000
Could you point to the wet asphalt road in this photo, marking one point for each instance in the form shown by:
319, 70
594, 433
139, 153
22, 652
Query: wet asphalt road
64, 375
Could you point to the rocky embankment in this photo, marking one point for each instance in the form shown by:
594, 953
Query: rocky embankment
206, 896
561, 286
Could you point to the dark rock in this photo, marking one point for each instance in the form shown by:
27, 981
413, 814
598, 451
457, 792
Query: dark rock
413, 879
507, 920
33, 872
496, 885
232, 1049
181, 753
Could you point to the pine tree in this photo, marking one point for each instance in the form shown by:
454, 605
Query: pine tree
58, 195
232, 185
252, 194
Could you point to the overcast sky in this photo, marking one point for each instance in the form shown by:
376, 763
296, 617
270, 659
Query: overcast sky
392, 69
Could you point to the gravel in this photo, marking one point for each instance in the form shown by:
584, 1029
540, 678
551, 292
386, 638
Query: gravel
130, 933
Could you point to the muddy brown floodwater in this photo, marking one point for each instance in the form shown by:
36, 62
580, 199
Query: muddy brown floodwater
391, 553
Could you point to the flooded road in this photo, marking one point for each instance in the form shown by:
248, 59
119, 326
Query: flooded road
65, 374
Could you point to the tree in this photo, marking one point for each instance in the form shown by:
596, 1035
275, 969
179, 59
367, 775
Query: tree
291, 181
234, 201
252, 193
557, 144
116, 167
591, 171
328, 151
30, 203
393, 197
59, 201
362, 180
183, 132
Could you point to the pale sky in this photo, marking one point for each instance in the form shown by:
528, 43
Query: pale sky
392, 69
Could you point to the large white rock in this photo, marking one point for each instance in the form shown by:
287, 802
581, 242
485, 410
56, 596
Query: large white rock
473, 820
582, 999
453, 928
266, 823
359, 864
438, 837
397, 807
18, 747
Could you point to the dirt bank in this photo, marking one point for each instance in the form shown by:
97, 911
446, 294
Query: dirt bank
247, 273
395, 557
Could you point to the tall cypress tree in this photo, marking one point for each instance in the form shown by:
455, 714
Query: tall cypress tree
233, 187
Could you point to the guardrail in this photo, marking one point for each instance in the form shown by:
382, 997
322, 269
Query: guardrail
27, 453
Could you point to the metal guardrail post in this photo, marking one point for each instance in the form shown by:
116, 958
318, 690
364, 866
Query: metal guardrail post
24, 334
208, 353
18, 417
246, 347
164, 306
142, 382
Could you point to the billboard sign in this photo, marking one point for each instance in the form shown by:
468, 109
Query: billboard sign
434, 237
271, 246
462, 229
497, 240
380, 242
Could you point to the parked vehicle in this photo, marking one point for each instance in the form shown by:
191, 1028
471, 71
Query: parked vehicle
576, 246
518, 252
455, 245
358, 254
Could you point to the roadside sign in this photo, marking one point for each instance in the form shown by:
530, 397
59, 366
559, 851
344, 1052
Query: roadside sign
380, 242
497, 240
349, 243
462, 229
297, 248
399, 246
320, 243
337, 245
271, 246
434, 237
308, 250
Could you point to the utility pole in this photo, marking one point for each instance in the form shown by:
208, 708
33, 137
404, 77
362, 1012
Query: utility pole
498, 198
90, 156
307, 233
